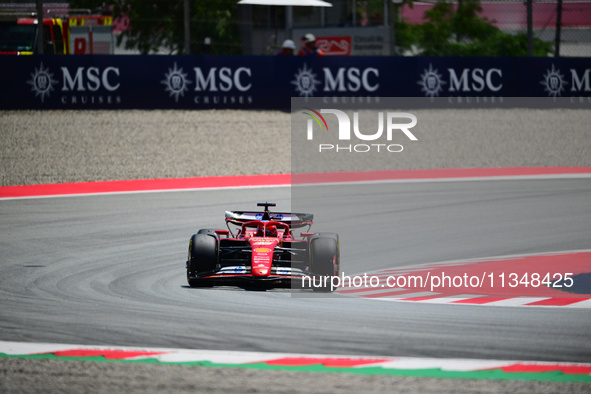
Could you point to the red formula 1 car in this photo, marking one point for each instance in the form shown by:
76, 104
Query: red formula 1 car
263, 249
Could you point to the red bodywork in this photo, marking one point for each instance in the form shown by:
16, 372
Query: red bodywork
261, 247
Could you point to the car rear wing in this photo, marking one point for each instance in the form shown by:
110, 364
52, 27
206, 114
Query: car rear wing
294, 220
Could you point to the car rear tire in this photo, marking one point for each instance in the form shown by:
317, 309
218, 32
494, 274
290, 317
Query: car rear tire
203, 252
325, 257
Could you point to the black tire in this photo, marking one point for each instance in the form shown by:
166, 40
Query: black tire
334, 236
203, 253
325, 256
206, 231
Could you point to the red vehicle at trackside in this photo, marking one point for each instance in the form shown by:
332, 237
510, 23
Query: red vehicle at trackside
262, 249
62, 34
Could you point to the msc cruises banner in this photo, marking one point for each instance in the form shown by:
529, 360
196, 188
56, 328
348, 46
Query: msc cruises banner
253, 82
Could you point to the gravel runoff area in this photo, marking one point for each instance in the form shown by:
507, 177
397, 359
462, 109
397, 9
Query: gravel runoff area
75, 146
41, 147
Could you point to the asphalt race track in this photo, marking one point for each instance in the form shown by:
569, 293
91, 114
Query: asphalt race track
109, 270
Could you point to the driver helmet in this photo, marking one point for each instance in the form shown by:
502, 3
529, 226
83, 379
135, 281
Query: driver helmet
271, 231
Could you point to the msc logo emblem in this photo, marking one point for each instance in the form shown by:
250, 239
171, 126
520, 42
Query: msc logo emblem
42, 82
553, 82
431, 82
341, 80
176, 82
467, 80
305, 81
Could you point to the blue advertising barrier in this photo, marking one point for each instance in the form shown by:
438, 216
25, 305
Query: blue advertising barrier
257, 82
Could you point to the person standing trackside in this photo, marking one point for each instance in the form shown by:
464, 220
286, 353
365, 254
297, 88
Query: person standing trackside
309, 48
287, 49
